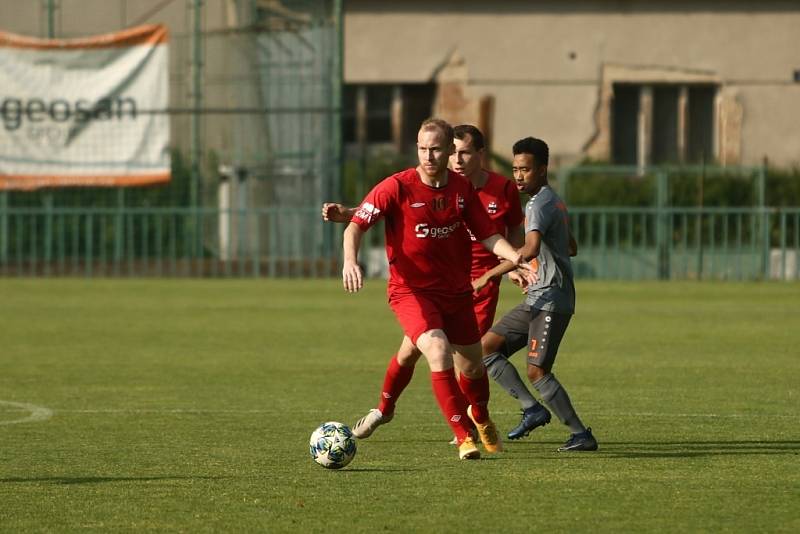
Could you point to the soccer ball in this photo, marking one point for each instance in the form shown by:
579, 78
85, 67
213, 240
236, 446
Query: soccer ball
332, 445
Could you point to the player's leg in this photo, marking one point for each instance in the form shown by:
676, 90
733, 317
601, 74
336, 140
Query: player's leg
497, 348
421, 319
438, 352
462, 329
397, 377
504, 339
475, 384
485, 305
545, 334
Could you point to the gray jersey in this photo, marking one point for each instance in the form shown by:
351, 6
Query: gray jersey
555, 290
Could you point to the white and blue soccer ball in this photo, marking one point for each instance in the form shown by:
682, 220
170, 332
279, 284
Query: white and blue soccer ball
332, 445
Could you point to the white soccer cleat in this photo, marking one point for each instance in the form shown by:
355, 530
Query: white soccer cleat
367, 424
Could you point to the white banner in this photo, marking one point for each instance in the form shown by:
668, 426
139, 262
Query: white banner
84, 112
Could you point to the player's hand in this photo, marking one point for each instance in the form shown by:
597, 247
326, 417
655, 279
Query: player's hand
528, 270
351, 277
519, 280
479, 283
333, 212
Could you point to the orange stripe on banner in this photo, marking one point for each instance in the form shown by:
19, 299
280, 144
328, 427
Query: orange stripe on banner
148, 34
31, 182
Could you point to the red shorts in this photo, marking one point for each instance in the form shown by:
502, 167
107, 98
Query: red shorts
485, 304
419, 312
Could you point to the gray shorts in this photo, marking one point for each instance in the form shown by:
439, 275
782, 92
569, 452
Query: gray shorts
541, 331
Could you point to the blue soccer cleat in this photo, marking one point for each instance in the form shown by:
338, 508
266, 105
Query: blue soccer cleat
532, 418
583, 441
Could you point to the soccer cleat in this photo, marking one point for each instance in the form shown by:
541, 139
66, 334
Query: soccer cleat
467, 450
532, 418
582, 441
367, 424
488, 433
473, 433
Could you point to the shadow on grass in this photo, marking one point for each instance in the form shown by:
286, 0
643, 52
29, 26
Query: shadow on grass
377, 470
674, 449
102, 480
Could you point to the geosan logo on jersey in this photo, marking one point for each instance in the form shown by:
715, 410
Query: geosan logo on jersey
424, 230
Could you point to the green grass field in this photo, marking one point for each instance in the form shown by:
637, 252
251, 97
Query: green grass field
187, 406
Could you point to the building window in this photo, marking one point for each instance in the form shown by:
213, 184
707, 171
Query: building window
701, 124
665, 124
656, 124
380, 114
625, 123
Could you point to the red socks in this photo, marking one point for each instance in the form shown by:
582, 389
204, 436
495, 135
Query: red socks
452, 396
476, 390
394, 382
451, 401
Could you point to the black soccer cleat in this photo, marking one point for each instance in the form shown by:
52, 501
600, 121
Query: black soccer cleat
583, 441
532, 418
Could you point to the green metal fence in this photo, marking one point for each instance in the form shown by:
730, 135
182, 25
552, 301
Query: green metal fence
687, 243
255, 113
614, 243
137, 242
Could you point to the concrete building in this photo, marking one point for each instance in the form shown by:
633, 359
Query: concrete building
622, 81
634, 81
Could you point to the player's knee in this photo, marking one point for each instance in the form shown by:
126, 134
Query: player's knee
437, 350
473, 370
408, 356
491, 342
408, 359
535, 373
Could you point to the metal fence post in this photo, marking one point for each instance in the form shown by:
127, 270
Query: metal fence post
3, 227
762, 193
332, 236
662, 237
47, 198
196, 97
119, 234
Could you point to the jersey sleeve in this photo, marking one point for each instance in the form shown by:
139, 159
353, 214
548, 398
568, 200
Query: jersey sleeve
377, 203
476, 218
514, 216
538, 216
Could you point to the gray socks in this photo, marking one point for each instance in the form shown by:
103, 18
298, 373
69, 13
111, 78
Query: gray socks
504, 373
557, 399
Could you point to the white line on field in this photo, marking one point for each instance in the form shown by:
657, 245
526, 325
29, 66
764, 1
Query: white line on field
44, 413
36, 413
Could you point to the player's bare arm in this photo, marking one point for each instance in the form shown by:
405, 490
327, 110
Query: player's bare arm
516, 235
530, 250
514, 259
333, 212
520, 275
351, 272
502, 248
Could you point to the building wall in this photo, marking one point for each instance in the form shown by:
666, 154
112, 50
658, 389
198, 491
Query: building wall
544, 61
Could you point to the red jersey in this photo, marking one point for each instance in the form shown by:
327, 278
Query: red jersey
500, 200
427, 241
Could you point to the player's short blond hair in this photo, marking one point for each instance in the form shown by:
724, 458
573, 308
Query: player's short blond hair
441, 125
